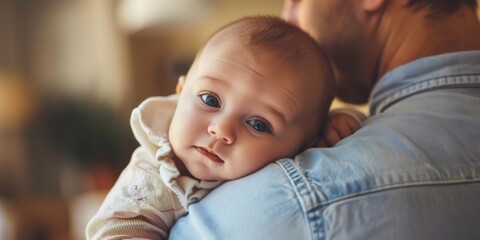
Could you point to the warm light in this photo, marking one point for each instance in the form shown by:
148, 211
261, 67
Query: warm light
16, 105
134, 15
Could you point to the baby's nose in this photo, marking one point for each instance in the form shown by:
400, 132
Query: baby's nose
221, 133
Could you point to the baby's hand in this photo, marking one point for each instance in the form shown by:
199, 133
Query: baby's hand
340, 124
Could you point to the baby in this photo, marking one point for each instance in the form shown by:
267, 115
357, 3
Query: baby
258, 91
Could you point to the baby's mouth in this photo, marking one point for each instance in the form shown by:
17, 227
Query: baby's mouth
209, 154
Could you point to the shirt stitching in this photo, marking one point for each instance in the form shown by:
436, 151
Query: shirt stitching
430, 84
308, 199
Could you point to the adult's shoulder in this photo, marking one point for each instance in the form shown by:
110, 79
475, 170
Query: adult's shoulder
259, 206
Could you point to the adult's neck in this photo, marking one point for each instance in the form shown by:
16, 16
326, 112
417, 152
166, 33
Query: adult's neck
407, 35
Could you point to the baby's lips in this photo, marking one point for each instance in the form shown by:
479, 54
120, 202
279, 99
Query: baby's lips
210, 155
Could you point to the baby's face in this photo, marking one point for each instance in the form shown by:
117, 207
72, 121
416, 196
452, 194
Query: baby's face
240, 110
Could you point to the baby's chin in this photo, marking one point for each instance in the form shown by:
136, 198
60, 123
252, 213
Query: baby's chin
200, 172
200, 175
208, 176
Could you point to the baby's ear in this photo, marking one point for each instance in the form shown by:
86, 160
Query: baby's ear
180, 83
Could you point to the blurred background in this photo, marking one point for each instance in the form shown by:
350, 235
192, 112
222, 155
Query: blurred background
71, 71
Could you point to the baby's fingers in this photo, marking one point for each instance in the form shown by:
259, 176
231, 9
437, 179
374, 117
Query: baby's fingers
344, 125
331, 136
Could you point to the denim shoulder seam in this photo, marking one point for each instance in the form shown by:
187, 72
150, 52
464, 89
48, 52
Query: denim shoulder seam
398, 186
307, 198
313, 201
455, 81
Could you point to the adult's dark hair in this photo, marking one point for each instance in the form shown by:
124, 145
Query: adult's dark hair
441, 8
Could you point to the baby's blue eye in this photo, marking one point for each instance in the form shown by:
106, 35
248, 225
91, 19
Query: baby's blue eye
210, 100
259, 125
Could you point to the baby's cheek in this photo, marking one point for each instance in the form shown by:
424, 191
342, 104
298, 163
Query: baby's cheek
176, 133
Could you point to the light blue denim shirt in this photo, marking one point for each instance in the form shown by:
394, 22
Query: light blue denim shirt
411, 172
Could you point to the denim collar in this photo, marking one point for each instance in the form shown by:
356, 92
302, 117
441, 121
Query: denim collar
450, 70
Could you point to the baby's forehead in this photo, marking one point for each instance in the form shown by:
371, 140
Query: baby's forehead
303, 62
280, 43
